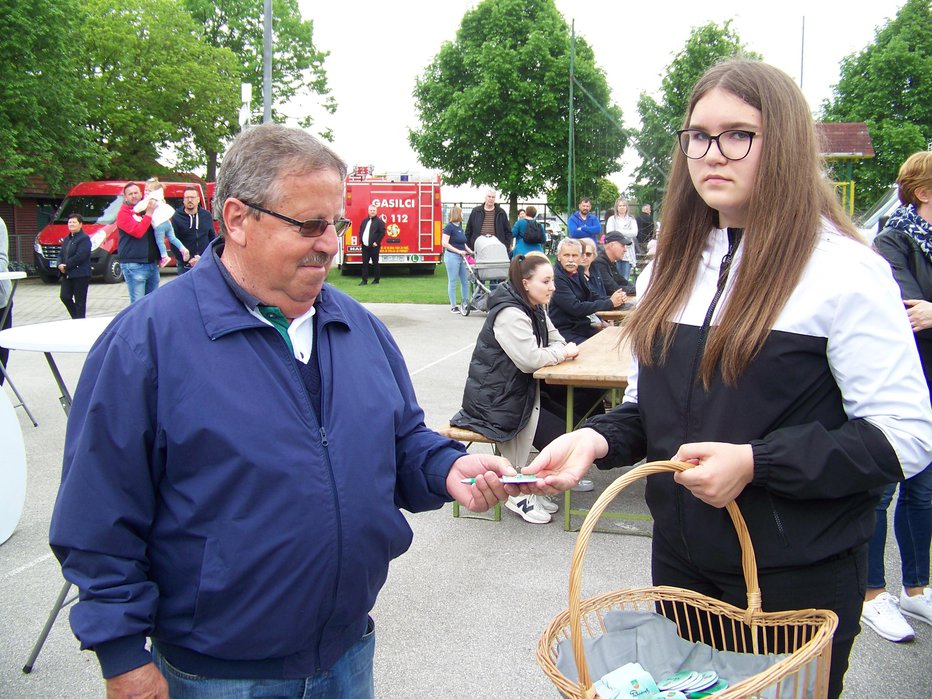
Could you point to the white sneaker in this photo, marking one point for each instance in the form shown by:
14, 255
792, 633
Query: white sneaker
584, 486
918, 607
526, 507
883, 615
546, 504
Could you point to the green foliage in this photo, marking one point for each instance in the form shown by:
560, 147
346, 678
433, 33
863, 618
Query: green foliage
297, 68
152, 83
655, 142
606, 194
888, 85
493, 104
42, 113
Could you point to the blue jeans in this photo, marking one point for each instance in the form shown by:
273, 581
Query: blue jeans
141, 279
912, 525
624, 267
350, 678
456, 270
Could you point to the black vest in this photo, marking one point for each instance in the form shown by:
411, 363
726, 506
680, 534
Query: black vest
499, 397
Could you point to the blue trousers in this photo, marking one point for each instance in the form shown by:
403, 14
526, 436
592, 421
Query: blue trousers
141, 279
350, 678
456, 270
912, 526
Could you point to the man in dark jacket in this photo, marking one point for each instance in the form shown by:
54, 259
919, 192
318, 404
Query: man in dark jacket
605, 269
573, 301
239, 521
194, 227
138, 253
371, 232
75, 267
489, 219
645, 221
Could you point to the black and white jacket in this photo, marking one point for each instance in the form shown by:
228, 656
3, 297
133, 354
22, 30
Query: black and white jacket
834, 406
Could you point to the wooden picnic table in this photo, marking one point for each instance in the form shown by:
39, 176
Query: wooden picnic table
603, 362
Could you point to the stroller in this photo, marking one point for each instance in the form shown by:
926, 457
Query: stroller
488, 270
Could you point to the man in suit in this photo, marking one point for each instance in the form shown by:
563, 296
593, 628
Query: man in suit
371, 232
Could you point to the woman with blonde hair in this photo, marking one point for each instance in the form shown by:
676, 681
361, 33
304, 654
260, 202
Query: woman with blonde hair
906, 243
621, 221
455, 249
772, 352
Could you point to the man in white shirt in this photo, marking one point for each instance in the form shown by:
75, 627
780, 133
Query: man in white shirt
371, 232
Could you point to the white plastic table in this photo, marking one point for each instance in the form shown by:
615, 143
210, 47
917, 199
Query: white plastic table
70, 336
14, 277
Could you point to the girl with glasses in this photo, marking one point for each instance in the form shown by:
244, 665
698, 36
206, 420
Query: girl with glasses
772, 352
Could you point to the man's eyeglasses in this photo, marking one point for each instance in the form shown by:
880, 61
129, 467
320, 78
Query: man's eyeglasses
734, 144
588, 254
311, 228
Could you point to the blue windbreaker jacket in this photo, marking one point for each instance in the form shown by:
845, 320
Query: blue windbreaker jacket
205, 505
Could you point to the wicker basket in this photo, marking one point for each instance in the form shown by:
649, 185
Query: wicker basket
805, 635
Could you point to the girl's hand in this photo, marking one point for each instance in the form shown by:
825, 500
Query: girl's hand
722, 471
570, 350
566, 460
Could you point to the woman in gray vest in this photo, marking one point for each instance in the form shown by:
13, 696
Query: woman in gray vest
501, 400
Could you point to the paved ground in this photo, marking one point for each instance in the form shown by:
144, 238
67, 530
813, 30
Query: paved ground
462, 610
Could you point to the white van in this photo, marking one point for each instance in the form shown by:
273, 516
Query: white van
869, 224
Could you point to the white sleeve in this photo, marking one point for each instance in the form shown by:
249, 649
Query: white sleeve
514, 333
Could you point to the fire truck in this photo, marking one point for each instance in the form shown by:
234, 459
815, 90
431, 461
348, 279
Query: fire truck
413, 220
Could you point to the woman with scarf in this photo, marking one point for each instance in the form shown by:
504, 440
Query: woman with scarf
501, 400
906, 243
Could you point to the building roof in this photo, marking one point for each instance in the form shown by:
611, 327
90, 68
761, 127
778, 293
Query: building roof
844, 141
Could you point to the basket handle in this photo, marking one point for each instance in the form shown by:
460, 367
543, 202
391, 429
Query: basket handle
748, 560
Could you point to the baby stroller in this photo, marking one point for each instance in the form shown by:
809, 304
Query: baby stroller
488, 270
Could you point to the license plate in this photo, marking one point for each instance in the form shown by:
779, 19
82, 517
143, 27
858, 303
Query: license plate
393, 258
53, 264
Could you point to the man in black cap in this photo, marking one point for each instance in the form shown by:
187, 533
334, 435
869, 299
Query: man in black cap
604, 266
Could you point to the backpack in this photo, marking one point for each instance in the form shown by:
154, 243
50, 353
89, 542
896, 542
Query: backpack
533, 234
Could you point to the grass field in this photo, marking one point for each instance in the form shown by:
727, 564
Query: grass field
397, 286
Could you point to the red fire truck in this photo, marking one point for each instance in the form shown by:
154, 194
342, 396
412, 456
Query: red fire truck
413, 220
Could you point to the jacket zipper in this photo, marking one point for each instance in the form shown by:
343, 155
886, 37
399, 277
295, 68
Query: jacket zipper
734, 238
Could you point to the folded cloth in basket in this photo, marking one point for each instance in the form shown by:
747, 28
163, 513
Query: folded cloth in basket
652, 640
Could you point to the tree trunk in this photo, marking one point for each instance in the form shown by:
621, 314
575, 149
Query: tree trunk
512, 208
211, 166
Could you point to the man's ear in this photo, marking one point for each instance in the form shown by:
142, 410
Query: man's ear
235, 213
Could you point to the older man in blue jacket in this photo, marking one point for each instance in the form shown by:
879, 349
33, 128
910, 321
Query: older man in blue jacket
216, 495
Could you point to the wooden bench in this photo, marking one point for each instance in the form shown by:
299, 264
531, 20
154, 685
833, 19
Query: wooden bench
468, 437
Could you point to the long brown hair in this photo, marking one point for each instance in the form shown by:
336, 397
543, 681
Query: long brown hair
789, 197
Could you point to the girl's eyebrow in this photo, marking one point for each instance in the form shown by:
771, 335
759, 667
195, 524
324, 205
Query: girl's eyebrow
731, 126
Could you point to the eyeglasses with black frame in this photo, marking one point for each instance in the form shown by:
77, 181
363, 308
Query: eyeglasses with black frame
311, 228
733, 144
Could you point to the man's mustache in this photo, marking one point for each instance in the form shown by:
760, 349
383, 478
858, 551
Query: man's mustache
315, 259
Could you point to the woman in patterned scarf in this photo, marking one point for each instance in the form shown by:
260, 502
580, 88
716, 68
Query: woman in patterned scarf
906, 243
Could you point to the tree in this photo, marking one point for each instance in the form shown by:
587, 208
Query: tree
152, 84
42, 111
493, 104
297, 65
655, 141
888, 85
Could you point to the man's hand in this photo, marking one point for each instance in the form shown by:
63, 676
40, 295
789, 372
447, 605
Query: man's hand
619, 298
488, 488
564, 462
920, 314
144, 682
151, 206
62, 267
193, 260
722, 471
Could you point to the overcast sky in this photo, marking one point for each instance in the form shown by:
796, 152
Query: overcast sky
379, 48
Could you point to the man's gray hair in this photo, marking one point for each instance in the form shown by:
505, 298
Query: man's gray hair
566, 242
261, 157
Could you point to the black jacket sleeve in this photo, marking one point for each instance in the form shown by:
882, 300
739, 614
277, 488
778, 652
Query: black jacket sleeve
624, 432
